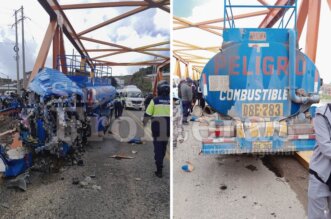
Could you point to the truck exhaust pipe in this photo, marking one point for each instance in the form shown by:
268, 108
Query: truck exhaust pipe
292, 65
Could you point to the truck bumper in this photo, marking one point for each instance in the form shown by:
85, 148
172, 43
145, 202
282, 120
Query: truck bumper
260, 145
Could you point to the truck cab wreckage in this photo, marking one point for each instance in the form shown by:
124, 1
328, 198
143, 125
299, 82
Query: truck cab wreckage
63, 107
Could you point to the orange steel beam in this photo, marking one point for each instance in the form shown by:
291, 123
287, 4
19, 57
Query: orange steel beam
302, 16
138, 49
159, 75
236, 17
263, 2
67, 28
194, 47
106, 63
312, 26
275, 14
102, 42
44, 49
159, 4
102, 5
152, 45
112, 20
56, 47
117, 50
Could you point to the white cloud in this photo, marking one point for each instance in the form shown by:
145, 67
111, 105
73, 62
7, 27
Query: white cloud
210, 9
81, 20
161, 20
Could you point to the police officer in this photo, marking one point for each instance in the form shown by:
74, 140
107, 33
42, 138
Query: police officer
159, 110
319, 195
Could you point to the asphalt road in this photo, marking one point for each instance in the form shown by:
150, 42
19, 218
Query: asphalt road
237, 186
125, 188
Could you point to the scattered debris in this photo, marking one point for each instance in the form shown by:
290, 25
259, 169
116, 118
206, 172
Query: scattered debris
188, 167
223, 187
75, 181
137, 179
80, 163
251, 167
19, 182
5, 205
83, 184
120, 156
244, 197
96, 187
135, 140
134, 152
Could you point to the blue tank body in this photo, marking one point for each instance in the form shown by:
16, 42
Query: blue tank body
262, 86
250, 77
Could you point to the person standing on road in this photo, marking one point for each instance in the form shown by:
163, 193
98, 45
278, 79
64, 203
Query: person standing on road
159, 111
122, 101
186, 95
117, 105
319, 189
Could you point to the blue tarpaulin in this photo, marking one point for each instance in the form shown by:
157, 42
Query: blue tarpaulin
53, 82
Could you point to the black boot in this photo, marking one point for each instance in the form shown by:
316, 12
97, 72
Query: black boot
158, 172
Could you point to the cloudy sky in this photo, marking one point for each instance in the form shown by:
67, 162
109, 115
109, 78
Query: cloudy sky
202, 10
144, 28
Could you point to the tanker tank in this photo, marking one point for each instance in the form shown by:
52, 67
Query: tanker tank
262, 86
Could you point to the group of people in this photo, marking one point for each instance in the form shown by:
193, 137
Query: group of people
117, 106
189, 92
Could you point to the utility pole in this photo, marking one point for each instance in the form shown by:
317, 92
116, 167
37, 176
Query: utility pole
23, 49
16, 49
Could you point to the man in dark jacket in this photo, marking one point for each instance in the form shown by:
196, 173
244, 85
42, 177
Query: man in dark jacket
186, 94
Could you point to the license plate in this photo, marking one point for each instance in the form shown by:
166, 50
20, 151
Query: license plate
262, 145
262, 109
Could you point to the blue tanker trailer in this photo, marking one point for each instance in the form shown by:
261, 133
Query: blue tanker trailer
262, 87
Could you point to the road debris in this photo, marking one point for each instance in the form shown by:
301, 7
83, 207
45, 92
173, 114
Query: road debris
251, 167
121, 156
135, 140
223, 187
19, 182
96, 187
4, 205
75, 181
188, 167
134, 152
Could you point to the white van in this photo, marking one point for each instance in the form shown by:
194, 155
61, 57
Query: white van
133, 97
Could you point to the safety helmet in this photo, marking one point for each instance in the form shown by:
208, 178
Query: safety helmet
163, 88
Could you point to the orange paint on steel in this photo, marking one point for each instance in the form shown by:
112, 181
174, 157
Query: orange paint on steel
313, 26
275, 13
102, 5
112, 20
44, 49
302, 16
177, 69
